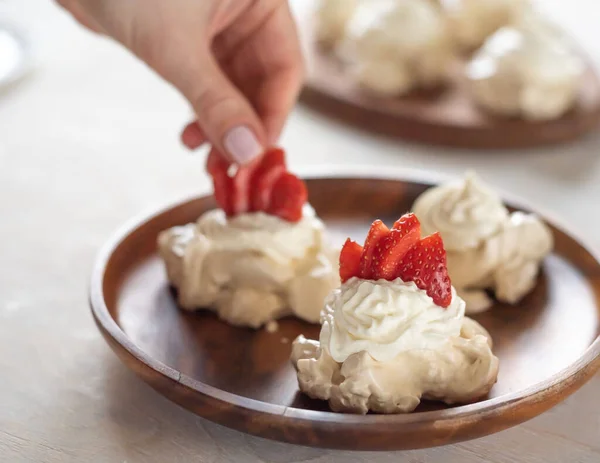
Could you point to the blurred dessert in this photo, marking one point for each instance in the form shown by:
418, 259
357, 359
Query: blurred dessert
395, 332
529, 69
260, 256
331, 19
471, 22
394, 46
487, 247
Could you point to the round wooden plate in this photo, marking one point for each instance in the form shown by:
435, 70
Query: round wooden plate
548, 345
447, 117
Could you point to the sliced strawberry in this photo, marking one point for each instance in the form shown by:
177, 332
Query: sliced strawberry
217, 168
408, 223
377, 232
288, 198
425, 264
271, 167
242, 186
405, 233
350, 260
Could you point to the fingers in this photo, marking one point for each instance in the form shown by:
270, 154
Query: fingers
80, 15
226, 118
275, 99
192, 136
278, 51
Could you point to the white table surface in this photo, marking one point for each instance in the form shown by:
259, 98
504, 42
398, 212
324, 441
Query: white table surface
89, 139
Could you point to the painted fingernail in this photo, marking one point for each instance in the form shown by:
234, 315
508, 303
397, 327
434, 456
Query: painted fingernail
242, 145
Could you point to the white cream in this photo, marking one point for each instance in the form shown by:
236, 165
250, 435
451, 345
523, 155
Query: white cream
529, 69
384, 346
252, 268
465, 213
471, 22
394, 46
385, 318
332, 17
487, 248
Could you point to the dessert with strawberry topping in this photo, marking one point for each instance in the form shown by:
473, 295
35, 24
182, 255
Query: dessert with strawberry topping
258, 257
395, 332
488, 247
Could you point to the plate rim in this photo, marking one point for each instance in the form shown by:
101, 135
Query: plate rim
546, 392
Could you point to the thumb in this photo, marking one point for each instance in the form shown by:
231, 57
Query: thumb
225, 117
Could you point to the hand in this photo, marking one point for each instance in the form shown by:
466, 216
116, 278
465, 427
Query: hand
238, 62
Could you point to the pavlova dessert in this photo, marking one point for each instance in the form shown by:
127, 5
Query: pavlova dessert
471, 22
529, 69
392, 47
487, 247
395, 331
258, 257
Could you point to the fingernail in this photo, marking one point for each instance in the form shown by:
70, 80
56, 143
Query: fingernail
241, 144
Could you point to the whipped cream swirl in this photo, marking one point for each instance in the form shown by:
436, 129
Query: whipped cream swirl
252, 268
487, 247
278, 239
465, 213
385, 318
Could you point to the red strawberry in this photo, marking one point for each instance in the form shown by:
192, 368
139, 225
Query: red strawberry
271, 167
425, 264
405, 233
242, 186
288, 197
350, 260
377, 232
217, 167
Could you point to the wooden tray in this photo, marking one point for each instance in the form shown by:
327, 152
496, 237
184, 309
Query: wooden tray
447, 117
548, 345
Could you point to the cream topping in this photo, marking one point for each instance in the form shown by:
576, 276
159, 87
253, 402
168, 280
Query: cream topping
385, 318
252, 268
473, 21
384, 346
332, 17
259, 232
487, 248
393, 46
465, 213
529, 69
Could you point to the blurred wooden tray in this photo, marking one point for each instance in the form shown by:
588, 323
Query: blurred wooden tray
447, 117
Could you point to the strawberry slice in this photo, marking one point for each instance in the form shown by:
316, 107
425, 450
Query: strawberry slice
271, 167
350, 260
288, 197
405, 233
217, 168
242, 186
425, 264
377, 232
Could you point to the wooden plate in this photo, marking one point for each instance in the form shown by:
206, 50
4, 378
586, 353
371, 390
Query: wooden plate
447, 117
548, 345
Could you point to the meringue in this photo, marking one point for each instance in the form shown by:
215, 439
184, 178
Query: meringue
487, 248
251, 268
385, 345
395, 46
332, 17
529, 69
471, 22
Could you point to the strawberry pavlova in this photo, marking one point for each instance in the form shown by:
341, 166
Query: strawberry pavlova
488, 247
395, 331
260, 256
